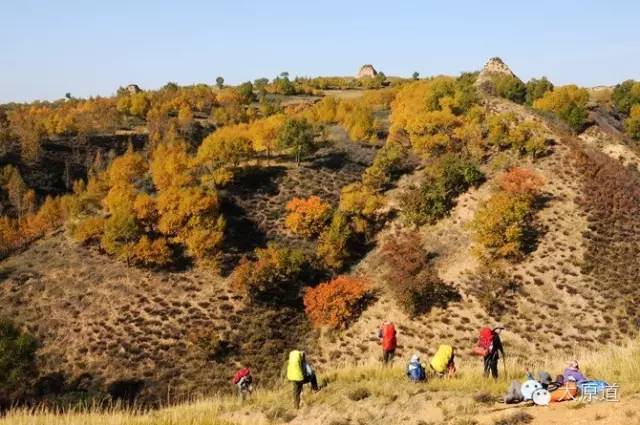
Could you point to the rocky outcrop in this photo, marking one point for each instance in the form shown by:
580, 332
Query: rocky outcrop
494, 66
367, 71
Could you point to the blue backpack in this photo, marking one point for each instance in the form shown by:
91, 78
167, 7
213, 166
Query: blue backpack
416, 372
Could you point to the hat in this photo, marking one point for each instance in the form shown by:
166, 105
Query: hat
544, 377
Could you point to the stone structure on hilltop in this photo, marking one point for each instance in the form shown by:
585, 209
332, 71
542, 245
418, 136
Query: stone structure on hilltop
494, 66
133, 89
367, 71
497, 66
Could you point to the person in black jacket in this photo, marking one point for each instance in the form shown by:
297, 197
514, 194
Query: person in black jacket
491, 359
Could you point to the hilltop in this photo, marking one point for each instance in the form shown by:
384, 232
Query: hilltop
170, 309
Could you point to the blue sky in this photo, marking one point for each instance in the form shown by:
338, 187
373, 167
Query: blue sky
91, 47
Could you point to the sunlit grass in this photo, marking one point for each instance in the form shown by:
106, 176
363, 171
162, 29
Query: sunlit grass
620, 365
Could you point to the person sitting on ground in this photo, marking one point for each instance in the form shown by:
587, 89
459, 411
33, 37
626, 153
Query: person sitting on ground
243, 381
300, 372
573, 371
415, 369
543, 377
387, 335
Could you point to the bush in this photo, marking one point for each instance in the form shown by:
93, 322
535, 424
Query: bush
568, 103
434, 198
387, 161
494, 289
625, 95
17, 361
152, 253
412, 279
336, 303
308, 216
88, 229
273, 276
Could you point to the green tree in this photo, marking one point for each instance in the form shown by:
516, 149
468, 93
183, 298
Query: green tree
296, 135
625, 95
537, 88
246, 91
510, 88
415, 75
17, 361
220, 82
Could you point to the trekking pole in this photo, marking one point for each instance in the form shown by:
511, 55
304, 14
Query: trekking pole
504, 363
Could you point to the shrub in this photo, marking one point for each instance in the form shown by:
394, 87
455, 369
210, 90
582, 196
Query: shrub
17, 361
361, 205
120, 234
153, 253
434, 198
333, 244
336, 303
387, 161
625, 95
568, 103
520, 182
494, 289
308, 216
273, 276
88, 229
411, 277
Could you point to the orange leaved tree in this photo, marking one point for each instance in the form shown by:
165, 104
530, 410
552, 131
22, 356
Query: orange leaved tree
308, 216
338, 302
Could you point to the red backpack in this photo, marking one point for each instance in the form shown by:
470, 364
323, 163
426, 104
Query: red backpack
485, 342
388, 336
244, 372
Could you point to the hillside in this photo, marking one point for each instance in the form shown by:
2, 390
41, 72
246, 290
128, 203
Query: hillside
116, 319
371, 394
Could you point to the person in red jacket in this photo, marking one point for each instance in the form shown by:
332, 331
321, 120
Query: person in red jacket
387, 335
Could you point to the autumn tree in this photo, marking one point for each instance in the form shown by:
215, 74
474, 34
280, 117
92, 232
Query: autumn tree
338, 302
222, 152
568, 103
274, 276
307, 217
632, 124
333, 245
503, 225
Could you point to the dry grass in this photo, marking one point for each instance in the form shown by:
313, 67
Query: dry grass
359, 387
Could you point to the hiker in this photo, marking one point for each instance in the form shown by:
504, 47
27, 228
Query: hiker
243, 380
387, 335
443, 362
415, 369
300, 372
490, 346
573, 371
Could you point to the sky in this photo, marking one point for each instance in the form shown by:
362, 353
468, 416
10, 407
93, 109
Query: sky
91, 47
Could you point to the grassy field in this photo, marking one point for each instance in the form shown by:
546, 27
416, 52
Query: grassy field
362, 388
